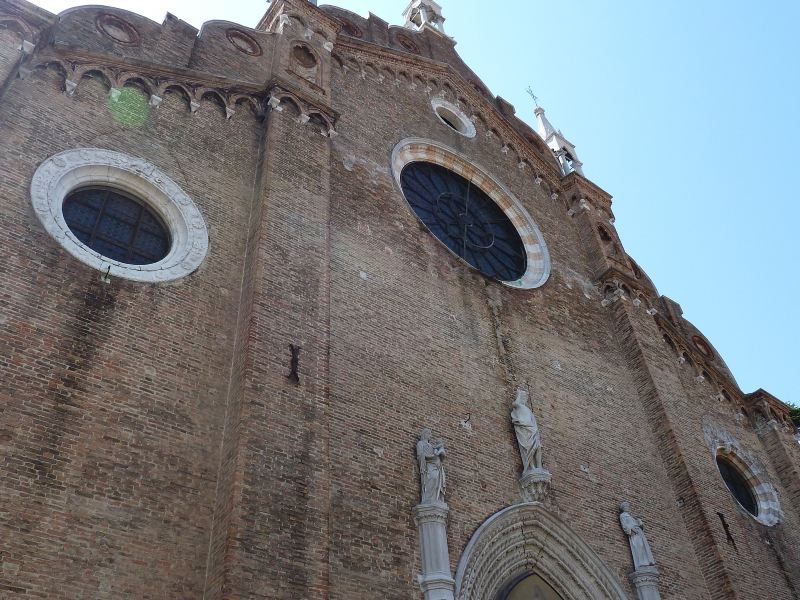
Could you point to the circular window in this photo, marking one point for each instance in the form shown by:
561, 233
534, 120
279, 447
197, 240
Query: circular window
474, 215
117, 29
452, 116
119, 214
738, 485
465, 219
116, 225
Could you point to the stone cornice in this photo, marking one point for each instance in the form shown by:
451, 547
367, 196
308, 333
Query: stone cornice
596, 194
302, 7
719, 377
763, 395
75, 56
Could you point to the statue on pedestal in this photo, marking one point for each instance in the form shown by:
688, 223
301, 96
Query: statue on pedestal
431, 470
535, 480
527, 432
634, 529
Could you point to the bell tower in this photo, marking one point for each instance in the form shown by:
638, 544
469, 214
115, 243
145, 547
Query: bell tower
561, 147
420, 14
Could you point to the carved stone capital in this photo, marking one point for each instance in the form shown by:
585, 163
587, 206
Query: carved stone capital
645, 582
535, 485
427, 513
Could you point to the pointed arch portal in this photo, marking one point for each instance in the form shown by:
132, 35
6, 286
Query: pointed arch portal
526, 539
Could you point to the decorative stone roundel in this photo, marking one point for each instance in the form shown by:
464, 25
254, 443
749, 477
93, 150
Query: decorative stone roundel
117, 29
243, 42
407, 44
702, 346
71, 170
537, 269
527, 539
452, 116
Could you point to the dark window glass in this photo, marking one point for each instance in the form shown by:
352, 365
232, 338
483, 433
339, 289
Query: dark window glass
465, 219
738, 485
117, 226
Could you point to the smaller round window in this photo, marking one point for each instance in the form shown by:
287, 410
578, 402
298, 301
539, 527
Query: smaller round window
452, 116
116, 225
738, 485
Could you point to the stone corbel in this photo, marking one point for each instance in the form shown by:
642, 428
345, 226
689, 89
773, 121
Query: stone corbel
303, 119
652, 311
583, 206
308, 33
194, 105
612, 297
70, 86
114, 94
155, 101
275, 103
554, 196
283, 21
538, 180
26, 47
229, 112
328, 46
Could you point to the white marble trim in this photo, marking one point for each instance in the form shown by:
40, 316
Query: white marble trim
67, 171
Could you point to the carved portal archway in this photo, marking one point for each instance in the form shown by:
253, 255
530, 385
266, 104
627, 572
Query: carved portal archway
528, 539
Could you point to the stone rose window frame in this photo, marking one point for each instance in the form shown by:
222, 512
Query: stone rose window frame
453, 117
723, 445
71, 170
538, 257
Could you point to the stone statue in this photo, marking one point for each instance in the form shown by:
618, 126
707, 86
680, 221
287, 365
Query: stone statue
431, 470
634, 529
527, 431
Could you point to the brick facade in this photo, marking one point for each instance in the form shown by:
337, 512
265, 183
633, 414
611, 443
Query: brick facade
152, 443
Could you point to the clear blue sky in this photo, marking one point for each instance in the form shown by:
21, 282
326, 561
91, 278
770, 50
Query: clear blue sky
686, 111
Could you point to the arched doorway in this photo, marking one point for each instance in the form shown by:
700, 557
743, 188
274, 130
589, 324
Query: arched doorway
526, 548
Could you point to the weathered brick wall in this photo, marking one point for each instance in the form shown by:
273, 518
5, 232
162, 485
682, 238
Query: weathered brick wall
114, 395
414, 343
10, 55
152, 442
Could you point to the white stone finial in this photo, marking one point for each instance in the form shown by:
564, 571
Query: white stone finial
420, 14
563, 149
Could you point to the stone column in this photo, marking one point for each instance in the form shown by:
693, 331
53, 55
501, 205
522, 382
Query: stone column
436, 580
645, 581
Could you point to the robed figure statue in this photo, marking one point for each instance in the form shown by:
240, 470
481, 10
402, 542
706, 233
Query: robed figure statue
431, 470
527, 431
634, 529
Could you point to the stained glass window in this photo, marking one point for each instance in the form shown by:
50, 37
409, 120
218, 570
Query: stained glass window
738, 486
116, 225
465, 219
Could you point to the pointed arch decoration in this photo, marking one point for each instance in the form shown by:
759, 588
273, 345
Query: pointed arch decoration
528, 539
